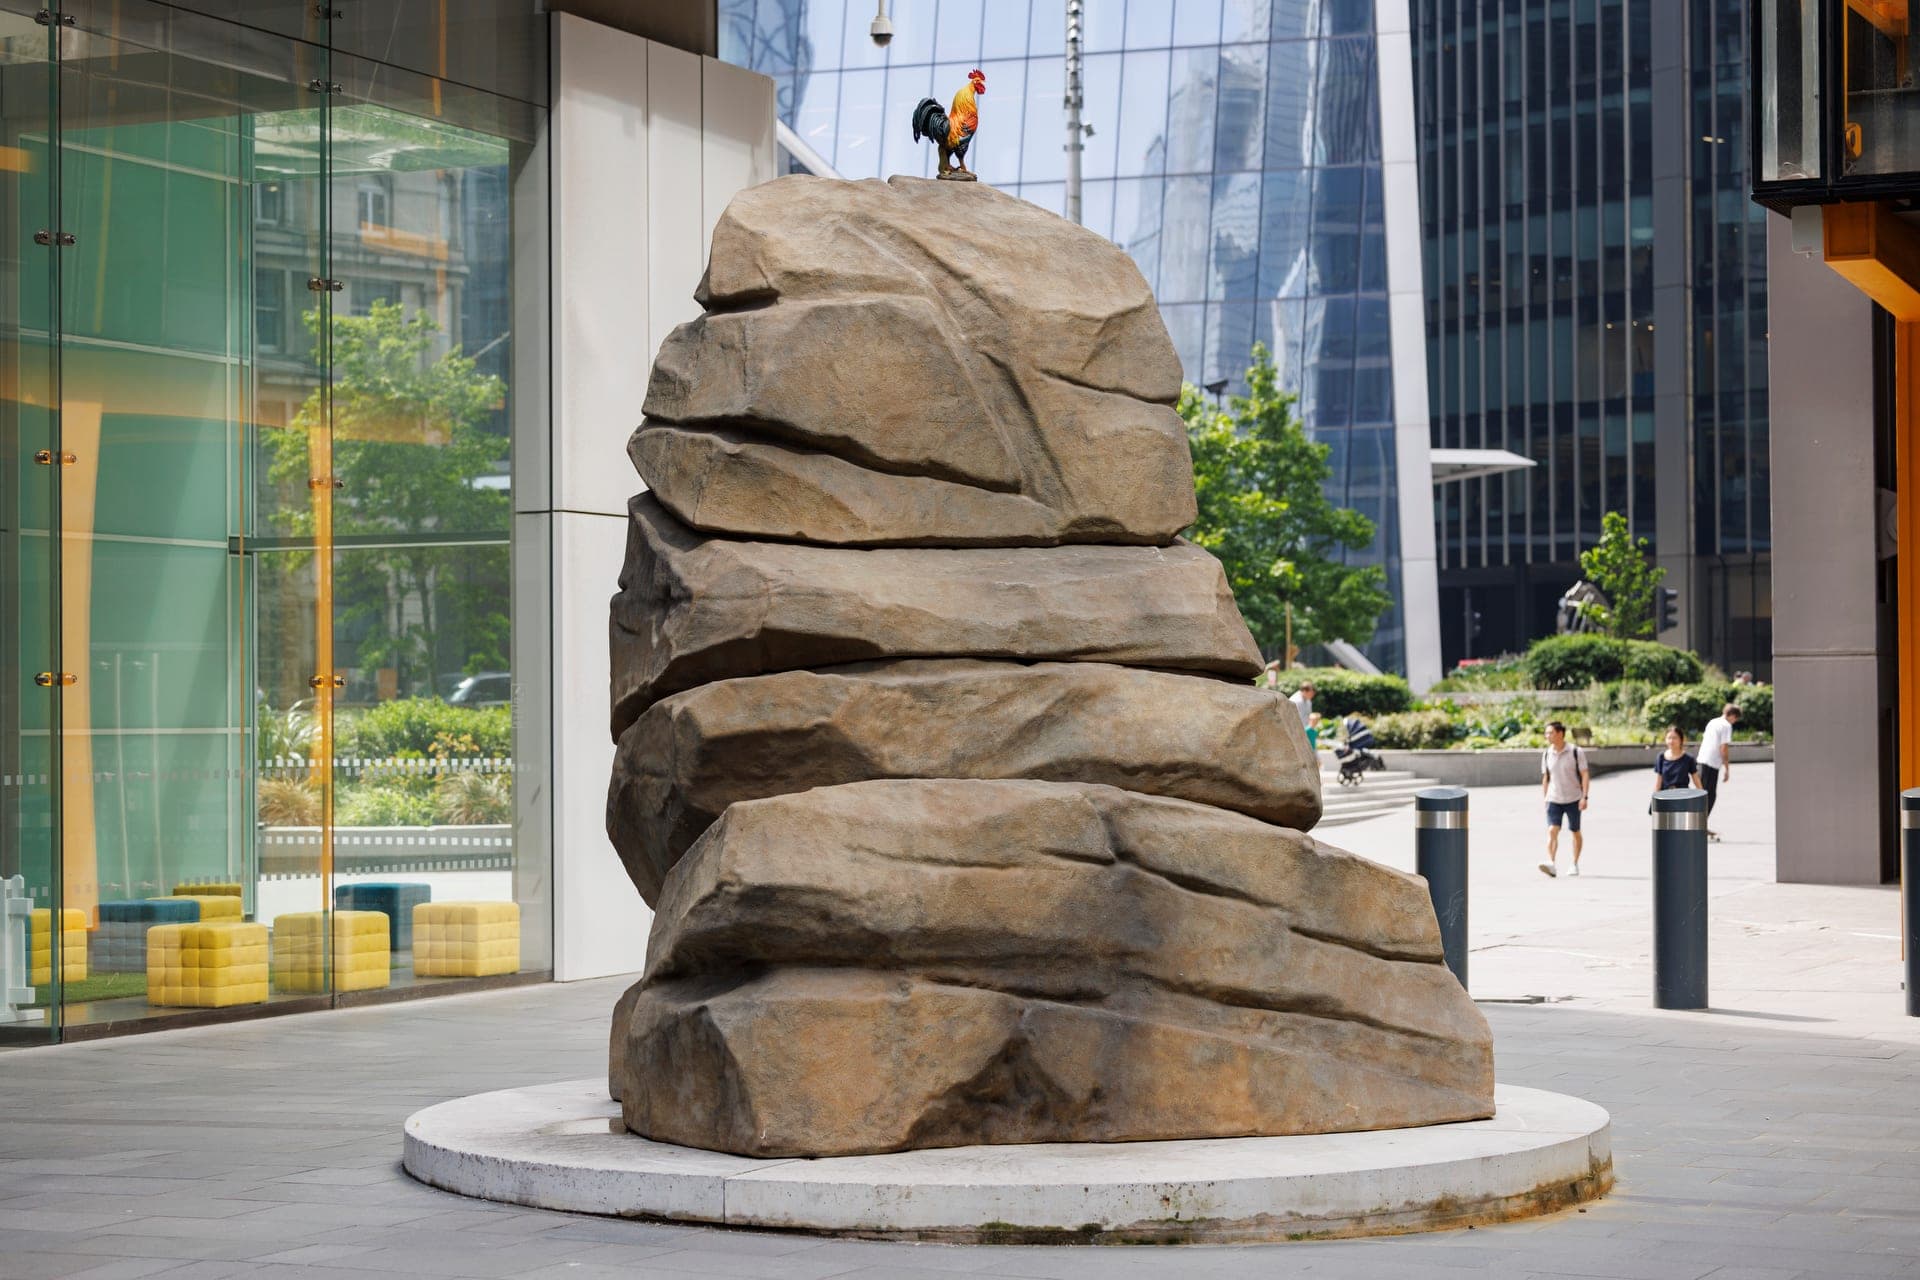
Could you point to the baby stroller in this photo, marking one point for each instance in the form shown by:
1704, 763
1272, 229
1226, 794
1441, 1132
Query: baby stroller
1356, 755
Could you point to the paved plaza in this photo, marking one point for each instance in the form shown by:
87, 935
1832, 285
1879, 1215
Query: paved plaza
1775, 1136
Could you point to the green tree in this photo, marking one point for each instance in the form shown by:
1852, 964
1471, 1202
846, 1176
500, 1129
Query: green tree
1618, 564
1263, 510
411, 451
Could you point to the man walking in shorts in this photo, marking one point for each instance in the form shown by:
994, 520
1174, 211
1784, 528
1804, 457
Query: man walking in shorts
1564, 781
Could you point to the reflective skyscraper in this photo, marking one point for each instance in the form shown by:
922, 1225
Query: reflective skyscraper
1239, 152
1596, 302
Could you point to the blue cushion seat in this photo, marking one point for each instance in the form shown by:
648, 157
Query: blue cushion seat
119, 945
396, 898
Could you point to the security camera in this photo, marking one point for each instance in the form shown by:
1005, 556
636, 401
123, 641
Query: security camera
882, 28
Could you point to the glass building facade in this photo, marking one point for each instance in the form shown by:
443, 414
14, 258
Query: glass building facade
257, 437
1235, 154
1596, 302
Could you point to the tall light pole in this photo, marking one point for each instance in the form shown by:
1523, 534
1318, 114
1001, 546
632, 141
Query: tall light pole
1075, 97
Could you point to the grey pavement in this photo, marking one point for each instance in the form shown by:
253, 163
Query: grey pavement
1775, 1136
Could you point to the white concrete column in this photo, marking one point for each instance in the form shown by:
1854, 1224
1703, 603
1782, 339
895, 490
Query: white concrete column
1407, 318
645, 140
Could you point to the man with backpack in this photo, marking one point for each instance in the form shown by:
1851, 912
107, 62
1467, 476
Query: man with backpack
1564, 781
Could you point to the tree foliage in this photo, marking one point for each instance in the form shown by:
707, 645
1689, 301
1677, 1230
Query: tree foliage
411, 451
1619, 565
1263, 511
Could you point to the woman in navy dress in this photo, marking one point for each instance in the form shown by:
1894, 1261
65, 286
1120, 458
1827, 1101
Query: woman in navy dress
1674, 768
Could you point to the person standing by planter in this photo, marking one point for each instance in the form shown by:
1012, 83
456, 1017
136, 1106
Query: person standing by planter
1674, 768
1564, 782
1716, 762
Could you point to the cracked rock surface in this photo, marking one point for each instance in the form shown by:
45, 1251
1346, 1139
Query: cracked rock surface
937, 755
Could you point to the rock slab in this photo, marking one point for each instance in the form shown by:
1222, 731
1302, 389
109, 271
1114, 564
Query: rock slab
691, 755
918, 329
885, 966
695, 609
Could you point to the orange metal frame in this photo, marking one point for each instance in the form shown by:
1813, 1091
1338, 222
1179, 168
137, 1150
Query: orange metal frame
1880, 254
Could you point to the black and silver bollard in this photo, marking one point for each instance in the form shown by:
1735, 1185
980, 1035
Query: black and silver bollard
1440, 854
1680, 899
1910, 894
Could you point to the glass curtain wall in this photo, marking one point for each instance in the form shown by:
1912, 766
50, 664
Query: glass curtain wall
257, 743
1235, 155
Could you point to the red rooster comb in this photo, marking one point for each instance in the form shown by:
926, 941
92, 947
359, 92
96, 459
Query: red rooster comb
978, 75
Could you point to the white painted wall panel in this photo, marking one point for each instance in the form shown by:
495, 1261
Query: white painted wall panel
600, 923
603, 343
644, 146
676, 235
737, 146
534, 866
1406, 306
1396, 99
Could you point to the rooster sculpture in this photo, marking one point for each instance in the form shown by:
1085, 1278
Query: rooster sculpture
952, 130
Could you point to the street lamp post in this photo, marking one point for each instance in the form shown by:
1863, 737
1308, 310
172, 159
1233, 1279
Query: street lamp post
1075, 97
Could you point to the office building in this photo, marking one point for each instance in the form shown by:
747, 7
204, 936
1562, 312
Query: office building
323, 329
1596, 305
1254, 156
1836, 160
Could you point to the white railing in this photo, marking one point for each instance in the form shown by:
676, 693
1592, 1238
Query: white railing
16, 986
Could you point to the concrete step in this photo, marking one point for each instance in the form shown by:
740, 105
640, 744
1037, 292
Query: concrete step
1380, 775
1331, 791
1377, 793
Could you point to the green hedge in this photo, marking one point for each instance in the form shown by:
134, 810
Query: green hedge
1574, 662
1338, 692
1660, 664
1415, 730
1756, 706
1691, 706
417, 724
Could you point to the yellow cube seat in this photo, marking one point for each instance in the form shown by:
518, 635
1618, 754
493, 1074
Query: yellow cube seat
207, 966
362, 955
213, 906
466, 939
212, 889
72, 943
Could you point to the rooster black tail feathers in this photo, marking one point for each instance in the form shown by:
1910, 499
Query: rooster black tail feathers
929, 121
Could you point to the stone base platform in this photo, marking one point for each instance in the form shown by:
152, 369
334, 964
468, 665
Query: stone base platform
562, 1146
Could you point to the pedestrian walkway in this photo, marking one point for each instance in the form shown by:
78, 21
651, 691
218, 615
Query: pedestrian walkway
1775, 1137
1817, 956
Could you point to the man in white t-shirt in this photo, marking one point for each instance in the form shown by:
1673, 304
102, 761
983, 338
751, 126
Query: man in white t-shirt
1302, 701
1564, 781
1716, 764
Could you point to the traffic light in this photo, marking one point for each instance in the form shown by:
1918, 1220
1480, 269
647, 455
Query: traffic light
1669, 609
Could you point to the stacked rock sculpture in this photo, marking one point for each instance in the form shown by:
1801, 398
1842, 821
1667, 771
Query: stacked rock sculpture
939, 758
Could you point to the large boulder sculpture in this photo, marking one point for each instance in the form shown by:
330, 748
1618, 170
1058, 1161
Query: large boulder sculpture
939, 759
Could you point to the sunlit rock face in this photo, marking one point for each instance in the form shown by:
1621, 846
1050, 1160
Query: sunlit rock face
937, 753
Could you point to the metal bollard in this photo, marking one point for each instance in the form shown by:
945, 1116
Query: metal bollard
1440, 854
1680, 899
1910, 894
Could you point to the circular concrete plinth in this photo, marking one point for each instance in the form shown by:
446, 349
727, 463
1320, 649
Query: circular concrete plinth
562, 1146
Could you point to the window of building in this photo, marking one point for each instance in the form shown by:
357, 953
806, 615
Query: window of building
365, 293
373, 206
269, 309
269, 204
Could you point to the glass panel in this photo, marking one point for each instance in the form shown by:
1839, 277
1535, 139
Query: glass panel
1143, 114
1003, 29
192, 189
425, 195
29, 635
1883, 100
